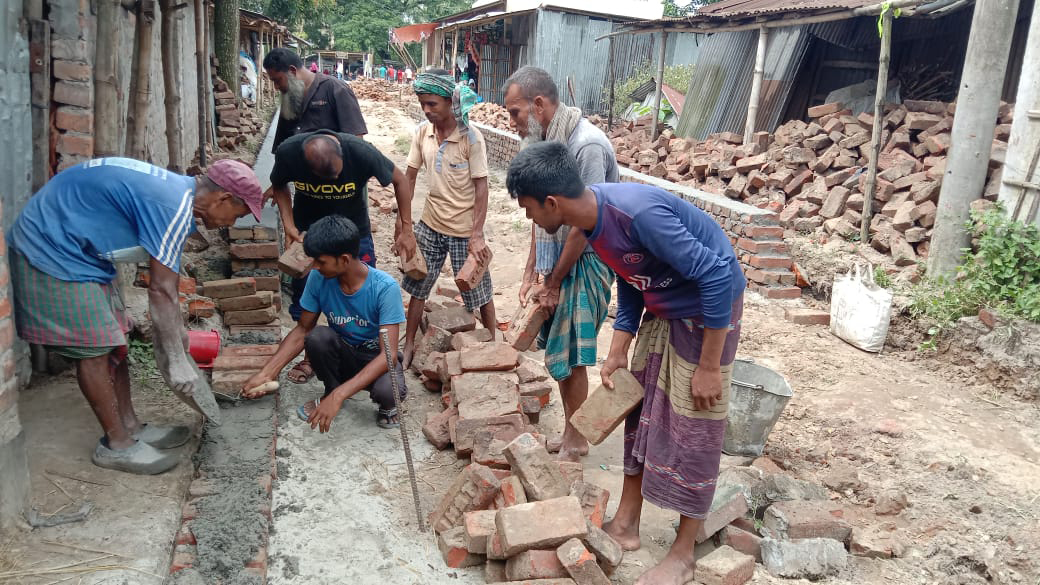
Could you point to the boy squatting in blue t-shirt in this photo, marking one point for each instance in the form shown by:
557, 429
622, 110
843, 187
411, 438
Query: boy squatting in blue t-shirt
348, 355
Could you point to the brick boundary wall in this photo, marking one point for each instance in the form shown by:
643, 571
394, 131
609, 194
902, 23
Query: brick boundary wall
755, 233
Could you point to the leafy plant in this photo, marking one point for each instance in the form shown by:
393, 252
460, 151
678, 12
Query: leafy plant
677, 76
881, 277
1003, 274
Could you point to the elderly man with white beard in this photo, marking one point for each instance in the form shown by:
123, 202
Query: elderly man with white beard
577, 283
310, 101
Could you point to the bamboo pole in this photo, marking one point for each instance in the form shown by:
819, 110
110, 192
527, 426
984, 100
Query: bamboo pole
200, 73
169, 46
610, 103
106, 80
756, 84
142, 78
660, 84
875, 137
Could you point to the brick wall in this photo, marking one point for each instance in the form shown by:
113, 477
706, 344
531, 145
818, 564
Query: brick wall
72, 43
501, 146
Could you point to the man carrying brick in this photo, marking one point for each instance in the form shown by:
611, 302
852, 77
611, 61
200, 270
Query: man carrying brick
576, 291
676, 263
348, 355
330, 172
455, 158
64, 246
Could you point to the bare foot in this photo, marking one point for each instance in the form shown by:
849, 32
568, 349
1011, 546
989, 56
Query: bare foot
573, 446
670, 571
628, 538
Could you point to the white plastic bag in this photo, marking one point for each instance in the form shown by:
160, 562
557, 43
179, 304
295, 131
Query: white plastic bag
860, 309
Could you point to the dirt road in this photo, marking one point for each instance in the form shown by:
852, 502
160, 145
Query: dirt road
966, 458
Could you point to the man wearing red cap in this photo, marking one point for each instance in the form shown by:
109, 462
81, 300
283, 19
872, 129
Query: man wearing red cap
64, 246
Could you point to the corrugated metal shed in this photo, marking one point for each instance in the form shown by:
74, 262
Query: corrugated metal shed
742, 8
721, 83
565, 46
15, 118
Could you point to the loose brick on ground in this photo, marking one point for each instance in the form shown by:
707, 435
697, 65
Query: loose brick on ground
493, 356
231, 287
473, 385
603, 545
580, 564
474, 489
494, 571
540, 475
460, 341
453, 549
531, 370
435, 340
540, 525
535, 564
500, 401
742, 540
727, 505
511, 493
478, 525
806, 519
593, 501
725, 566
466, 429
453, 320
605, 409
807, 316
436, 428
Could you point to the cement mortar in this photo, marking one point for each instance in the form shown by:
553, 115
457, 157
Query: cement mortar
252, 338
256, 272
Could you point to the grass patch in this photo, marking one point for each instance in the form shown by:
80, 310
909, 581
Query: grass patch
403, 144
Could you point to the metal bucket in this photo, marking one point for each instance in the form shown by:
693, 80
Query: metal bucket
757, 397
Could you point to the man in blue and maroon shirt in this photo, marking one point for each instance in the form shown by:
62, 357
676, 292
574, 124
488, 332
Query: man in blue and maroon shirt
680, 296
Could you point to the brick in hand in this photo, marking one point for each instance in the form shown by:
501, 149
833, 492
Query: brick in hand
415, 266
473, 270
295, 262
526, 324
605, 409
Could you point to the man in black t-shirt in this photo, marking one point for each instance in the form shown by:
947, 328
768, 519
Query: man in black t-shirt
330, 172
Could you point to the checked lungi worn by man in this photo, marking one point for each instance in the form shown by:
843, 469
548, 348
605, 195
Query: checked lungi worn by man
680, 295
63, 248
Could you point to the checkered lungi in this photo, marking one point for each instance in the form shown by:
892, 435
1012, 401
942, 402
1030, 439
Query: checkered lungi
435, 247
77, 320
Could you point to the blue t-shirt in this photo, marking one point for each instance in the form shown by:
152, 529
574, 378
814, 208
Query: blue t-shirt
97, 212
357, 317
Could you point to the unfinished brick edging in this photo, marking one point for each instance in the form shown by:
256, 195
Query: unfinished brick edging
756, 234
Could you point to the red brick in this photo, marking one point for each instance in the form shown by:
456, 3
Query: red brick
466, 339
5, 309
471, 273
182, 559
253, 317
780, 292
580, 564
185, 535
535, 564
572, 470
231, 287
240, 233
71, 70
524, 327
436, 428
537, 470
271, 283
454, 320
759, 231
758, 247
593, 501
230, 382
807, 316
294, 261
477, 526
474, 489
806, 519
494, 571
232, 363
452, 544
259, 559
601, 544
766, 465
725, 566
759, 261
466, 430
540, 525
201, 308
74, 119
511, 493
250, 350
74, 93
254, 250
474, 385
494, 356
258, 300
726, 506
743, 541
75, 144
605, 409
824, 109
414, 267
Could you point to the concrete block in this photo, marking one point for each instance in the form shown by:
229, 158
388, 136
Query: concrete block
540, 525
537, 470
605, 409
811, 558
580, 564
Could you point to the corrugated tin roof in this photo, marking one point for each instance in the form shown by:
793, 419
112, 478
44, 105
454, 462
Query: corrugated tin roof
741, 8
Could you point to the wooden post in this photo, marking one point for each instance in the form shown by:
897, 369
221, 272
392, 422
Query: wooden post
142, 80
169, 46
40, 94
660, 83
454, 48
106, 80
610, 102
756, 84
200, 73
875, 137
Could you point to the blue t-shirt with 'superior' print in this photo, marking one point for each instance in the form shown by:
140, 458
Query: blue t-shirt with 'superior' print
357, 317
102, 211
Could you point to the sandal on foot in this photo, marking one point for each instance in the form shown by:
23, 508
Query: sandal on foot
302, 410
301, 373
385, 419
162, 437
141, 458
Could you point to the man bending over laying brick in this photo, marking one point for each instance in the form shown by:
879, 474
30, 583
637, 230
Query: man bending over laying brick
347, 355
676, 264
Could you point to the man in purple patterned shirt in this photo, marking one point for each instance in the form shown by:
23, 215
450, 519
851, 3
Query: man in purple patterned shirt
680, 296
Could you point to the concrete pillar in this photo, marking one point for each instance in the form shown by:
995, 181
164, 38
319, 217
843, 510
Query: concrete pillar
1025, 133
972, 137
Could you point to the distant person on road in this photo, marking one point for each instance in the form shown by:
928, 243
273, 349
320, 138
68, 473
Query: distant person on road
576, 291
330, 172
63, 249
680, 295
382, 72
408, 75
455, 158
348, 354
311, 101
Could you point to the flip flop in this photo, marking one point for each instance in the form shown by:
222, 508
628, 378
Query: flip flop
302, 410
141, 458
384, 419
297, 375
162, 437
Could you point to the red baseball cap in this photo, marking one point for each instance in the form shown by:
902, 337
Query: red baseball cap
239, 180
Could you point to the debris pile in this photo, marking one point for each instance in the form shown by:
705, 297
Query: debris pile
814, 174
380, 90
491, 114
234, 124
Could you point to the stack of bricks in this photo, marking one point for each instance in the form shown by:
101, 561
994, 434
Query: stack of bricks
238, 363
194, 304
528, 518
246, 308
234, 124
